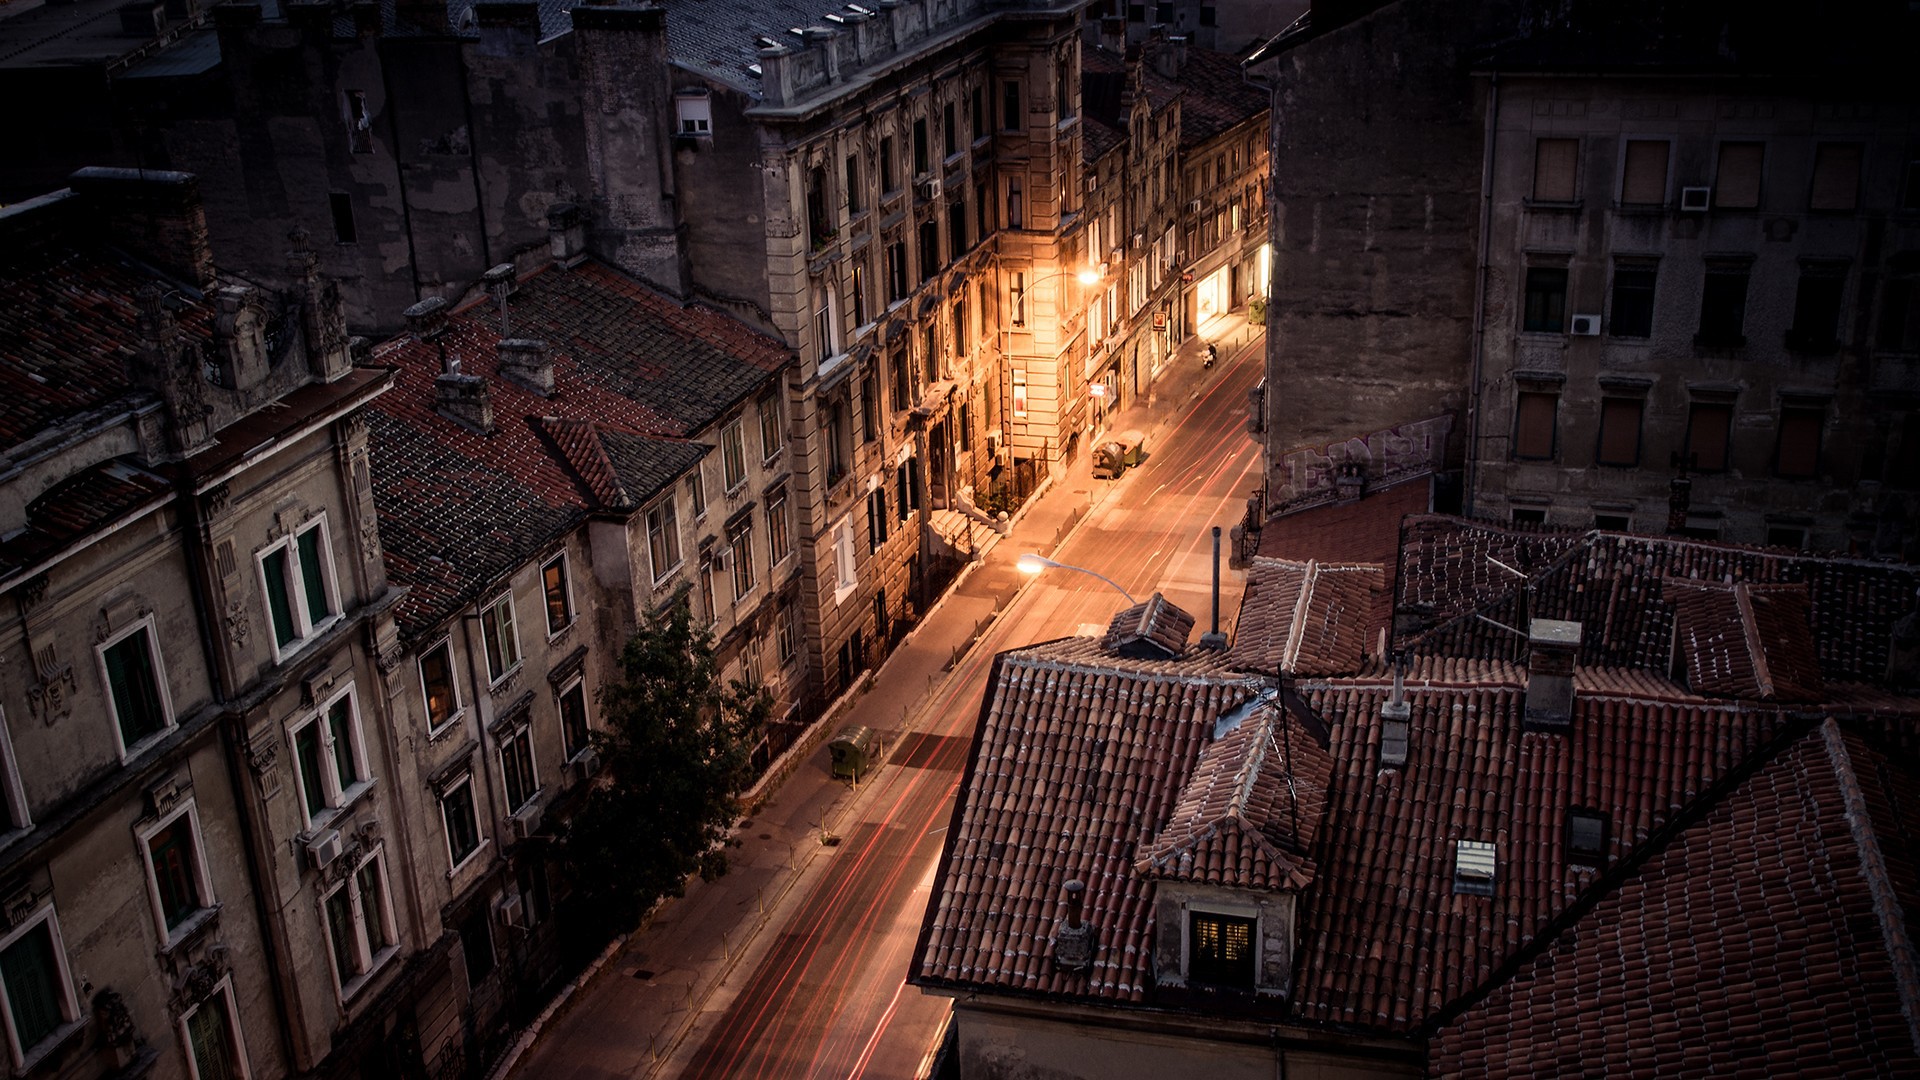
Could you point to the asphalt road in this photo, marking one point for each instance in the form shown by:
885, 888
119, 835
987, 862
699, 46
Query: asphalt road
827, 999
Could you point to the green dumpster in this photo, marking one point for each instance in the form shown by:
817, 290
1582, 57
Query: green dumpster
852, 752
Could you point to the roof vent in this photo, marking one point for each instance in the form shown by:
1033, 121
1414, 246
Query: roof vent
1073, 941
1474, 865
1552, 645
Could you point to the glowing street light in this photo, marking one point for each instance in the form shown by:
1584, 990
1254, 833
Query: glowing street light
1031, 563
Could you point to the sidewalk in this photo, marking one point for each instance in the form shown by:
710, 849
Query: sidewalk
690, 945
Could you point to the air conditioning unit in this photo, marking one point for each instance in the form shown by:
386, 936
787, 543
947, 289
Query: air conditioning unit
1193, 207
930, 189
323, 849
1694, 200
510, 908
1584, 326
583, 767
1139, 240
526, 822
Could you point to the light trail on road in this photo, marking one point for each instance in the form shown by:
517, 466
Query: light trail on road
828, 1000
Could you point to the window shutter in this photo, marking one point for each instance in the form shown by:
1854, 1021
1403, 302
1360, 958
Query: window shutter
1553, 169
1707, 429
1533, 426
1736, 184
1836, 177
1644, 180
1799, 441
1620, 431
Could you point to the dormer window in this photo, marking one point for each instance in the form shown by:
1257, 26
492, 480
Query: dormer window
1473, 868
693, 116
1220, 950
1586, 836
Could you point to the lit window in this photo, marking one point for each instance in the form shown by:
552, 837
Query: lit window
215, 1050
553, 586
176, 869
1019, 393
462, 820
663, 539
501, 637
297, 575
1220, 950
517, 769
360, 924
136, 684
36, 985
437, 685
574, 728
330, 761
733, 449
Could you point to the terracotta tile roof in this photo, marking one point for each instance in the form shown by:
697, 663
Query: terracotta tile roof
1079, 759
1154, 629
633, 374
1366, 531
78, 505
1746, 640
1308, 618
1248, 814
1218, 96
1751, 943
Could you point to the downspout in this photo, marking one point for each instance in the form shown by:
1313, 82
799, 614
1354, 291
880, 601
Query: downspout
270, 924
1480, 296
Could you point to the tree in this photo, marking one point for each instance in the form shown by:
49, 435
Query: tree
676, 748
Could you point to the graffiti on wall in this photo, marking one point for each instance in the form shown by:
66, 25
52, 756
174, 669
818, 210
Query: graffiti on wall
1312, 476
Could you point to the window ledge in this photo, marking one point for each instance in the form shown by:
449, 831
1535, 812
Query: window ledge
45, 1048
359, 982
505, 683
1562, 206
146, 743
435, 734
327, 818
486, 843
192, 928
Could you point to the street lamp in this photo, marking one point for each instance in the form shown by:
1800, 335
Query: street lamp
1031, 563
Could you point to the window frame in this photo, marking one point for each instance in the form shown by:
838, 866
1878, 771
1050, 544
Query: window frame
202, 879
1759, 178
455, 860
771, 442
1529, 323
374, 959
740, 558
1639, 404
453, 686
779, 540
566, 594
1666, 173
508, 739
733, 455
25, 1057
663, 519
489, 621
222, 991
1196, 915
1521, 395
157, 665
571, 685
305, 629
335, 795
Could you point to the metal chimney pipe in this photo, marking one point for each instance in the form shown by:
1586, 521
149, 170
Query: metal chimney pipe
1074, 901
1214, 639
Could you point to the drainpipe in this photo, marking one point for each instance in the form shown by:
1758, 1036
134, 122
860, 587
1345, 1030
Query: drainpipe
1480, 296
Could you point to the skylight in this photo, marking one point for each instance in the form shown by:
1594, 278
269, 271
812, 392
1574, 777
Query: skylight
1473, 867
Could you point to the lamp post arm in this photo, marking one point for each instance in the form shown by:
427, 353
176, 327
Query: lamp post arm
1102, 577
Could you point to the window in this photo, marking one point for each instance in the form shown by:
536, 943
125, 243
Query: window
1209, 15
359, 122
437, 685
1836, 177
1643, 173
922, 153
1137, 13
889, 177
869, 406
949, 131
957, 223
177, 878
1586, 836
1019, 393
553, 587
929, 249
733, 449
1555, 162
360, 924
693, 116
516, 768
297, 574
1612, 522
783, 635
1220, 950
663, 539
1723, 306
215, 1050
1899, 327
907, 496
846, 574
978, 112
902, 365
341, 205
462, 820
1787, 536
1632, 314
1017, 298
1798, 455
876, 519
740, 535
707, 604
36, 985
820, 223
1709, 424
1474, 865
574, 729
1010, 116
839, 440
501, 637
770, 441
1816, 307
778, 541
896, 271
136, 684
476, 946
1546, 302
1619, 431
1736, 183
697, 492
853, 185
1528, 515
858, 285
1533, 425
1016, 212
330, 762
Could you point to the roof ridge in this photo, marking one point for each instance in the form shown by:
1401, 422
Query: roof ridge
1290, 652
1756, 649
1873, 867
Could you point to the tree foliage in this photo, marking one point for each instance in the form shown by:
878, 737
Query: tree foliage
675, 749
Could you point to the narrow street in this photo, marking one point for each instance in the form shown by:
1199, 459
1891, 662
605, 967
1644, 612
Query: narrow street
818, 990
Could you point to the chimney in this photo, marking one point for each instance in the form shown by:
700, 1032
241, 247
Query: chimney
322, 312
1552, 645
156, 365
154, 214
1214, 639
1169, 56
466, 400
1113, 34
567, 234
526, 362
1073, 943
1394, 717
1350, 481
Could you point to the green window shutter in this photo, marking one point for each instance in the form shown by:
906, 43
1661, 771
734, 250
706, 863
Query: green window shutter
340, 727
312, 575
279, 604
373, 909
31, 975
209, 1031
306, 749
136, 694
340, 929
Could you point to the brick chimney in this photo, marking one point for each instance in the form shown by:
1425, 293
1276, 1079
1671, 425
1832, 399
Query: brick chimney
527, 362
1552, 645
567, 234
154, 215
466, 400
